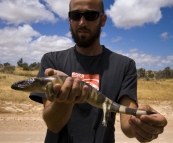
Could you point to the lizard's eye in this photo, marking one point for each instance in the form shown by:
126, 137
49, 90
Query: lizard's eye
31, 80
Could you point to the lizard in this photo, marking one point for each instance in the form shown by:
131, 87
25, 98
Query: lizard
95, 97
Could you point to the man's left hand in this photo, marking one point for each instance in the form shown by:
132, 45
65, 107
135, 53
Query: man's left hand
147, 127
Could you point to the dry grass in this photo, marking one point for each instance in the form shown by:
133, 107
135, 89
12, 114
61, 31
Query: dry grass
147, 90
10, 98
19, 71
6, 80
6, 93
155, 90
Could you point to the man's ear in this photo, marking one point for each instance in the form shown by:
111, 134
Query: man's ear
104, 18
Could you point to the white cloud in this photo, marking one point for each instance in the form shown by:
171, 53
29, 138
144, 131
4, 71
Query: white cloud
144, 58
130, 13
12, 37
68, 34
24, 11
103, 34
24, 42
133, 50
168, 60
150, 62
117, 39
147, 61
165, 35
60, 7
51, 43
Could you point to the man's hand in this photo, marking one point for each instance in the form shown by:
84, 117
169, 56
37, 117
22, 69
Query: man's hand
147, 127
65, 97
51, 72
70, 91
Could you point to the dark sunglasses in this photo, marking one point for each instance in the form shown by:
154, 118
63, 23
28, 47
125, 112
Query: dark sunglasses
89, 15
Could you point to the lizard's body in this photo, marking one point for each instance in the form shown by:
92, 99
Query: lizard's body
95, 98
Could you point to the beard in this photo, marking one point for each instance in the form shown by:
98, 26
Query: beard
84, 41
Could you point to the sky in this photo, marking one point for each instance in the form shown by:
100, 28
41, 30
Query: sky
139, 29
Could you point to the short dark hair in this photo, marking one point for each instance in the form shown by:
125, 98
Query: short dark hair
101, 6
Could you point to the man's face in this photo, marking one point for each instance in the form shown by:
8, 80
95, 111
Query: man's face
85, 32
85, 40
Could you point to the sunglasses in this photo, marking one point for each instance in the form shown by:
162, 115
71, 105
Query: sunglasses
89, 15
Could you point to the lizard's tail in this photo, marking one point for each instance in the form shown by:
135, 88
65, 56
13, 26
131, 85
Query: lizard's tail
126, 110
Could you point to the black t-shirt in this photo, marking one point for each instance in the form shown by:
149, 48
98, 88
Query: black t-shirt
116, 77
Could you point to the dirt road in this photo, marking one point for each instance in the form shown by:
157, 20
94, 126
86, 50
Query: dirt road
28, 126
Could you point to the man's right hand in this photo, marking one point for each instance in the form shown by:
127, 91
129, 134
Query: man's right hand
66, 96
71, 91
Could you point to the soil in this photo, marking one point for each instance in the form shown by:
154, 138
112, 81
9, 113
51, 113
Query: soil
24, 124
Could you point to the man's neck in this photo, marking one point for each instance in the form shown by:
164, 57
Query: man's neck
93, 50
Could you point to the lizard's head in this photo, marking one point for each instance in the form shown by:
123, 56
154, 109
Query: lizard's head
29, 85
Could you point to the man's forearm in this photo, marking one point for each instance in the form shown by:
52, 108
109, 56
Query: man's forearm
125, 126
56, 115
124, 118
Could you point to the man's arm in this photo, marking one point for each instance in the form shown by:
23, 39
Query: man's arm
57, 113
144, 128
124, 118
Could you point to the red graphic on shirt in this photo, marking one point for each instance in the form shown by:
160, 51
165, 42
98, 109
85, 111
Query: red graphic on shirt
93, 79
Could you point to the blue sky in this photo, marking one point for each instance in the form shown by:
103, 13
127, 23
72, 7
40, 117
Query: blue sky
139, 29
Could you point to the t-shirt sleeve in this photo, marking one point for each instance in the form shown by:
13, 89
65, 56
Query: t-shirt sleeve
46, 62
129, 84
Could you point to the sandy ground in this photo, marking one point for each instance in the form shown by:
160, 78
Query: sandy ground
24, 124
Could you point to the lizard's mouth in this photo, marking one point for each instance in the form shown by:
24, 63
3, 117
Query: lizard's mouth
22, 84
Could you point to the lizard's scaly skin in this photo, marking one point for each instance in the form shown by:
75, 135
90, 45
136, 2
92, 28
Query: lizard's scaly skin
95, 98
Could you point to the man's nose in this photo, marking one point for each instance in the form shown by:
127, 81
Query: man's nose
82, 21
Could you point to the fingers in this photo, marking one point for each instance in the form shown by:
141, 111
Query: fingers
51, 72
84, 95
65, 90
147, 127
75, 91
144, 137
142, 131
155, 120
71, 91
147, 108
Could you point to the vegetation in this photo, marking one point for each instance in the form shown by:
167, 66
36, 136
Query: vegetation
167, 73
150, 91
159, 87
25, 66
7, 68
21, 68
147, 90
160, 90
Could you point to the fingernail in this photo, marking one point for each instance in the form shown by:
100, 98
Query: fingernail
69, 79
77, 81
129, 121
131, 117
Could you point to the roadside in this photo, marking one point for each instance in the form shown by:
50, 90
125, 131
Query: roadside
27, 126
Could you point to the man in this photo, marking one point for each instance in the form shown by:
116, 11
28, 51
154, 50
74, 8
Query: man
69, 118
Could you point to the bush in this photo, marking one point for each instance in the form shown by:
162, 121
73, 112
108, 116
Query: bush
7, 68
25, 67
